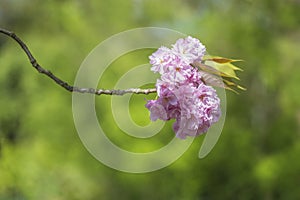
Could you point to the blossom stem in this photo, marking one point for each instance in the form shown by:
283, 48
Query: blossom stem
64, 84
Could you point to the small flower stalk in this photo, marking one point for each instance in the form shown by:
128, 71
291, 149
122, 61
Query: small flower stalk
185, 89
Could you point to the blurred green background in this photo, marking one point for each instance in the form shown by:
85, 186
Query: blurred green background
257, 155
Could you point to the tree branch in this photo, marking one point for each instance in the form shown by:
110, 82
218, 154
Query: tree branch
64, 84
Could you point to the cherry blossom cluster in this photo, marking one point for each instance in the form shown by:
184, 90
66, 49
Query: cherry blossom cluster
181, 94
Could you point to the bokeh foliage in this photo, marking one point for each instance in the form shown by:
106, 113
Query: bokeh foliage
41, 156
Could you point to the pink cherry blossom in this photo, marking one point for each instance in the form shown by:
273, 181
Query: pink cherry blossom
181, 93
189, 49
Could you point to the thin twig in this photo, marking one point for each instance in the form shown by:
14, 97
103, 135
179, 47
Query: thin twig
64, 84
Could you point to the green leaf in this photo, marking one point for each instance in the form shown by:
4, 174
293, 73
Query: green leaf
218, 71
233, 84
219, 59
226, 69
